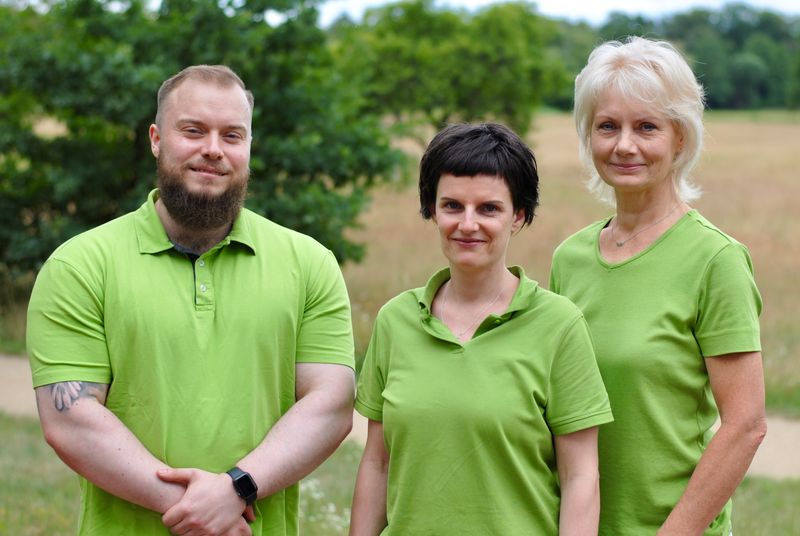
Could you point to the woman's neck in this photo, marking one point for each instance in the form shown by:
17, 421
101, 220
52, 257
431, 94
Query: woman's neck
468, 286
635, 211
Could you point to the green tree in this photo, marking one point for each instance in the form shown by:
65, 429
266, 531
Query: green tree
695, 22
415, 60
793, 90
776, 59
565, 55
619, 25
749, 75
711, 58
95, 66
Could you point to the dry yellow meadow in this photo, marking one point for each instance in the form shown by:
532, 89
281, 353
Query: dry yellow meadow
750, 182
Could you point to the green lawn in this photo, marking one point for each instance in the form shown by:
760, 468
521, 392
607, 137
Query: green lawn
39, 494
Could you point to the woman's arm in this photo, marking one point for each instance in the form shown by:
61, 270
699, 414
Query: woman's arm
737, 381
368, 517
576, 456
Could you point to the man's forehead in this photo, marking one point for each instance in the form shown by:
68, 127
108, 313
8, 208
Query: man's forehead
192, 97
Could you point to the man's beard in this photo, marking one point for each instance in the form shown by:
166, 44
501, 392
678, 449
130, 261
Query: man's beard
200, 211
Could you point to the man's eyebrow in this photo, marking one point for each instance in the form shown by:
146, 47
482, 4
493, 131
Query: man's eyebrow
192, 121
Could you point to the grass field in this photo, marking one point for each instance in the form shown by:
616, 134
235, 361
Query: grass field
39, 494
751, 185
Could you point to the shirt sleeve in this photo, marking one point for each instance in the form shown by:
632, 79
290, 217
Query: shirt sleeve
553, 285
729, 305
578, 398
326, 333
66, 338
372, 378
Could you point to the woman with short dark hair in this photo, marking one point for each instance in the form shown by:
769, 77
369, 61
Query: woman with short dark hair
481, 388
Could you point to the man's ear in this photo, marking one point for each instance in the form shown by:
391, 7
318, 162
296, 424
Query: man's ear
155, 140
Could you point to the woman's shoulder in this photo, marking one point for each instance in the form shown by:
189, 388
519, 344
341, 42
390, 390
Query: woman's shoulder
407, 302
546, 303
587, 234
581, 241
700, 235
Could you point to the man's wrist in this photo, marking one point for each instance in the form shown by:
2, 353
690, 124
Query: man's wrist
244, 485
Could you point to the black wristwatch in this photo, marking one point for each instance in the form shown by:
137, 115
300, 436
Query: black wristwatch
244, 485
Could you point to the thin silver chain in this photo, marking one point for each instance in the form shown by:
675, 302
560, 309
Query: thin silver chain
637, 233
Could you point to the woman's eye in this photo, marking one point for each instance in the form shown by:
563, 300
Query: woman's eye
490, 208
606, 126
648, 127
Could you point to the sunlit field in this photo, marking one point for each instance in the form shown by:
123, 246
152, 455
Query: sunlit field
751, 184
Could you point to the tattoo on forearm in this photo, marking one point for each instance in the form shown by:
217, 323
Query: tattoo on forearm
66, 394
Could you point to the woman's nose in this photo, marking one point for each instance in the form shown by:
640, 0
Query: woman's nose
468, 222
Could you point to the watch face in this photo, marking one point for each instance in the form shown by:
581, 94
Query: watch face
245, 485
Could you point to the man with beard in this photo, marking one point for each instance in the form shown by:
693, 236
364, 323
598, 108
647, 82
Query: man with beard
192, 360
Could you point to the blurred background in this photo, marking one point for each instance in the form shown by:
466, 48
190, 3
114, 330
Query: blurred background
347, 95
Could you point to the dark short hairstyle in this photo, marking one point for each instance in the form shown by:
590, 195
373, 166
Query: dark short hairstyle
466, 150
221, 75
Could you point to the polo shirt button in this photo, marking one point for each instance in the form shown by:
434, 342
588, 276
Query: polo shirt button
497, 321
203, 288
201, 262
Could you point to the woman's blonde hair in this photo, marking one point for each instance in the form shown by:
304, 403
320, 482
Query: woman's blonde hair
652, 72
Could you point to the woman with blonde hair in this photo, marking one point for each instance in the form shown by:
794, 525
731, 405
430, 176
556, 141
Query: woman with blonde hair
670, 299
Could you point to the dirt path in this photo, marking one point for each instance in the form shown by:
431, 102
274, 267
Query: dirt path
774, 459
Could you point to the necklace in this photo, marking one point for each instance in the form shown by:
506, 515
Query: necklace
477, 317
619, 244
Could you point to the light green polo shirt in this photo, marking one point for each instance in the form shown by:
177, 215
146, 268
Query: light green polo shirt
469, 426
654, 318
200, 357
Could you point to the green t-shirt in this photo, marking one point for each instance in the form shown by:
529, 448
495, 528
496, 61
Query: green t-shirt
654, 318
469, 426
200, 357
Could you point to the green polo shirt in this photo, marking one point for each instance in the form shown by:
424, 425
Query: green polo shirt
200, 356
469, 426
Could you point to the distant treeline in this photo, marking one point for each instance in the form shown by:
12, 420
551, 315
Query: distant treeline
505, 59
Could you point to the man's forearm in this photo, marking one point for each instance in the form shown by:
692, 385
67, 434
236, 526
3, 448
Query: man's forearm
98, 446
305, 436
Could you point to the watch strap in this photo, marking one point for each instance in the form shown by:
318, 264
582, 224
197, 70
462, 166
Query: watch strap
243, 484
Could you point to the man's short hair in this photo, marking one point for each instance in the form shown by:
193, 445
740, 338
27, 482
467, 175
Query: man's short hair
218, 74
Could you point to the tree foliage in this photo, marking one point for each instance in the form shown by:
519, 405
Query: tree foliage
92, 68
414, 59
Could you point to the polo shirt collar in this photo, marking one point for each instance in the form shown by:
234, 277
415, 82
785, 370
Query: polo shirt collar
523, 296
153, 238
